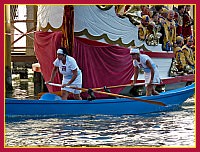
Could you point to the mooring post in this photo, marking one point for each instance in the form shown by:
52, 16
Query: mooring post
7, 51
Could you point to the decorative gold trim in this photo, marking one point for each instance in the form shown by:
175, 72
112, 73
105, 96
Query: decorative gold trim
105, 37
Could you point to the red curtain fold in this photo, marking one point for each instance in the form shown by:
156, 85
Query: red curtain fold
102, 65
45, 46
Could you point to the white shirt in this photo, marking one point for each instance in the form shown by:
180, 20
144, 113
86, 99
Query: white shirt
147, 74
67, 68
142, 63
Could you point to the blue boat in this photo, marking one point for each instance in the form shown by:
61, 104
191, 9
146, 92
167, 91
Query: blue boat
51, 104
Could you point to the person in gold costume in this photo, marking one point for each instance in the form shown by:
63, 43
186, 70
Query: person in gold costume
170, 32
179, 55
163, 16
142, 28
162, 21
188, 52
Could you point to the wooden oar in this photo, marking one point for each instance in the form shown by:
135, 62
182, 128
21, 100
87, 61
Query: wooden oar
96, 89
133, 98
109, 87
114, 95
101, 88
118, 86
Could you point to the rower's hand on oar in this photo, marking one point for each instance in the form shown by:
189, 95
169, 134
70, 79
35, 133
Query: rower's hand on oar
48, 82
64, 85
132, 83
150, 83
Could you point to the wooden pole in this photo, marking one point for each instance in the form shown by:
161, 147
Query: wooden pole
7, 51
31, 26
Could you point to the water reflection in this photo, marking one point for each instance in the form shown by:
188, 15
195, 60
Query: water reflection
175, 128
22, 88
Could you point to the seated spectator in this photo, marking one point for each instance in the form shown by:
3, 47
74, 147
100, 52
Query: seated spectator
188, 52
179, 56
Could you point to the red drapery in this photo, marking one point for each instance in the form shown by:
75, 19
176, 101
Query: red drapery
45, 46
102, 64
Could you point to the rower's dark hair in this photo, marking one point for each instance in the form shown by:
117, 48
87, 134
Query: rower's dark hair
64, 50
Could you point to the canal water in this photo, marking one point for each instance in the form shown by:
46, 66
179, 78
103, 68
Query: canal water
165, 129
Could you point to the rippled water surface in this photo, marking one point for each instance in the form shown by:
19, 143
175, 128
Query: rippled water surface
174, 128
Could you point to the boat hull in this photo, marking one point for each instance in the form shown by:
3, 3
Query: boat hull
120, 106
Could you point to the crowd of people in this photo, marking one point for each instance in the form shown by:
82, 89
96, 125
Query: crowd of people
172, 28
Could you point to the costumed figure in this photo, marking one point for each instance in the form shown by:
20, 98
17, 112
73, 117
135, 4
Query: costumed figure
179, 20
170, 32
162, 21
187, 23
182, 65
188, 52
142, 28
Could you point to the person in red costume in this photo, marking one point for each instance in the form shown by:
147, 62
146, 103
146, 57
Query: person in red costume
187, 23
179, 23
